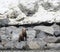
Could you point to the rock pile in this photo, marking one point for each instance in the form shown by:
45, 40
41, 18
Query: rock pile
39, 18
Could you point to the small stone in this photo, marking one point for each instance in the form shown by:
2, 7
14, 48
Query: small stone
57, 33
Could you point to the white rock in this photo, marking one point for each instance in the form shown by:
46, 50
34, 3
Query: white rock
29, 6
57, 17
54, 46
5, 4
33, 45
30, 11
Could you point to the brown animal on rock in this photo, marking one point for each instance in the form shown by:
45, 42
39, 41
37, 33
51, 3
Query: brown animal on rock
23, 35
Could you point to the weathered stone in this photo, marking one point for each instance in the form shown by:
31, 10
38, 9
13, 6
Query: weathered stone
3, 20
9, 45
41, 34
20, 45
53, 46
33, 45
31, 34
57, 17
2, 31
18, 10
13, 32
50, 39
29, 11
46, 29
51, 5
7, 4
57, 33
1, 46
22, 11
36, 44
15, 16
56, 30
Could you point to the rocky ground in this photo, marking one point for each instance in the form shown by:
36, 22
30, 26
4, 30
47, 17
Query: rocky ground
39, 37
30, 25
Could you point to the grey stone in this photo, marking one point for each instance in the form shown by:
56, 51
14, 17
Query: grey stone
2, 30
4, 34
50, 39
46, 29
57, 33
1, 46
9, 44
56, 30
31, 34
20, 45
53, 46
50, 6
41, 34
36, 44
4, 21
13, 32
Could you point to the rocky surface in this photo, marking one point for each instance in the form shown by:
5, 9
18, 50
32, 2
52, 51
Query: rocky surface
38, 37
29, 25
22, 11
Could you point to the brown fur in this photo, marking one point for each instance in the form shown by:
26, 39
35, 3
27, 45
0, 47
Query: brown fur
23, 35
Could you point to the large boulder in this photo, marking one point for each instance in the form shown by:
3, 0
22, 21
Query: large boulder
46, 29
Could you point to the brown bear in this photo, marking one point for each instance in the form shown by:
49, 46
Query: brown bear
23, 35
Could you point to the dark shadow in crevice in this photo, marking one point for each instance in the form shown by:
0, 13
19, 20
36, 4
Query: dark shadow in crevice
58, 23
29, 25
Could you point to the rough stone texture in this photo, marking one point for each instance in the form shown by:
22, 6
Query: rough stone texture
38, 37
56, 30
41, 34
46, 29
52, 39
31, 34
36, 44
54, 46
20, 45
22, 11
16, 13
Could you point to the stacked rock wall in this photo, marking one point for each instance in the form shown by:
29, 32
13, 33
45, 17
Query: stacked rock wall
36, 21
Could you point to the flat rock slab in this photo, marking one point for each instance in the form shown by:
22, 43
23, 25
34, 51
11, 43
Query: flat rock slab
46, 29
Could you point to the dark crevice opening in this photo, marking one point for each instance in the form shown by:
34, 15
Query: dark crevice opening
29, 25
